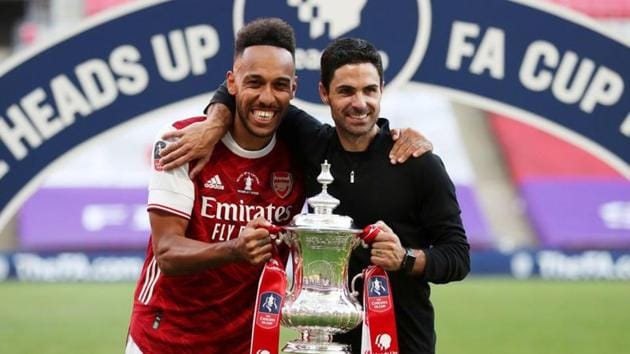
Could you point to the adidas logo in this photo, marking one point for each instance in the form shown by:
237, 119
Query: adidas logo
214, 183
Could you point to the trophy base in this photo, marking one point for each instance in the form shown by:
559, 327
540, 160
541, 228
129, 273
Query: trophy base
298, 346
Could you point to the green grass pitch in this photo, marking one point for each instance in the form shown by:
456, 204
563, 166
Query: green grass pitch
475, 316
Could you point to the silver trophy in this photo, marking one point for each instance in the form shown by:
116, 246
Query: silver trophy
319, 303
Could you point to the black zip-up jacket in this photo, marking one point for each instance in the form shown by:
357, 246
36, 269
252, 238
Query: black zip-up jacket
416, 199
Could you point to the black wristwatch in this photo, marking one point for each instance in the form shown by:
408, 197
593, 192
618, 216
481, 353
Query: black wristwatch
408, 261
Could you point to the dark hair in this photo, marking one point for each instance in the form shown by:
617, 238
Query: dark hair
348, 51
265, 31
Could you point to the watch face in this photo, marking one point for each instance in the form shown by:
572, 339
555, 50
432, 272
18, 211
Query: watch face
410, 260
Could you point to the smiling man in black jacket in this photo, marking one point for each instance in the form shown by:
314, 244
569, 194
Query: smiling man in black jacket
422, 238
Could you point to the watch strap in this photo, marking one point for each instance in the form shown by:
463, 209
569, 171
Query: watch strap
408, 261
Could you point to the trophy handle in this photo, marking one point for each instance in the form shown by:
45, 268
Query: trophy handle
278, 234
353, 291
290, 238
289, 289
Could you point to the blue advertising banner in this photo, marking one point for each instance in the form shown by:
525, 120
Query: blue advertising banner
553, 264
53, 267
116, 266
551, 68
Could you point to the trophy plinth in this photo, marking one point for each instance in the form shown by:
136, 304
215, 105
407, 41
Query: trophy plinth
319, 303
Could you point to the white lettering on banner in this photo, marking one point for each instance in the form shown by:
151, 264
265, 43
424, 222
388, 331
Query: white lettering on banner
41, 113
98, 83
189, 48
606, 86
561, 87
539, 51
588, 265
22, 129
615, 214
490, 55
203, 43
97, 217
133, 76
308, 59
69, 100
458, 47
174, 70
570, 79
33, 121
4, 168
606, 89
211, 208
625, 126
522, 265
68, 266
76, 267
140, 218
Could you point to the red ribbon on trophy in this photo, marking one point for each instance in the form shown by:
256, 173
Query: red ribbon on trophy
269, 300
379, 321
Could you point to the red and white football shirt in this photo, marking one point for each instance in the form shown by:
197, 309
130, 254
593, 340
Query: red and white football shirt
211, 311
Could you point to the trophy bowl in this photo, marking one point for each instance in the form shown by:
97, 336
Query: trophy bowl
319, 303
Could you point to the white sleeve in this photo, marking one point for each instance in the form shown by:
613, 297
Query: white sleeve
170, 191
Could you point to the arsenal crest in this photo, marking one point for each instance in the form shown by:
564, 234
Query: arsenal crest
282, 183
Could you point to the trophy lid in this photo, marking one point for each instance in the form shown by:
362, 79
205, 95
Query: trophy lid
323, 204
